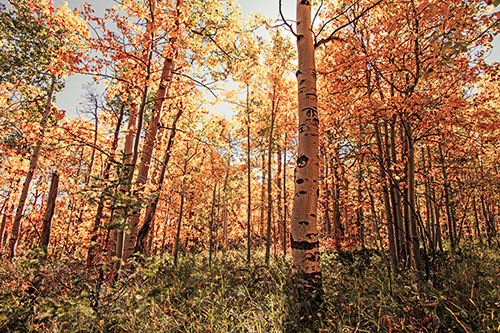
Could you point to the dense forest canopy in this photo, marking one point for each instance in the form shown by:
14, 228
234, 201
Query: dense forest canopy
366, 126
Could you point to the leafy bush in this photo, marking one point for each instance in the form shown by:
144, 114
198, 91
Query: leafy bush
62, 295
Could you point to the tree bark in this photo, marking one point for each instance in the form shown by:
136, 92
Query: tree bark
16, 226
304, 232
278, 195
49, 212
285, 203
100, 207
125, 184
449, 206
249, 176
269, 183
211, 228
153, 205
396, 199
414, 242
387, 205
178, 233
147, 152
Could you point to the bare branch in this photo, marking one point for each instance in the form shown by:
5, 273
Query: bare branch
357, 17
286, 22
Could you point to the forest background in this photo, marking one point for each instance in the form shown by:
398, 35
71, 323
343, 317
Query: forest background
153, 197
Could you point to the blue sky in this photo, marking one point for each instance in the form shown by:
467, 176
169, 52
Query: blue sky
67, 99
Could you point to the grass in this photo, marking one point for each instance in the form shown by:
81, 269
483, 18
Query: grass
359, 295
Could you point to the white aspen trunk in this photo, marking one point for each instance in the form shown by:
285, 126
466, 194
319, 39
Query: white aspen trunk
304, 231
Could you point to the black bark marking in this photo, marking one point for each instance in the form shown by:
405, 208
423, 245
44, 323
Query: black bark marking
298, 73
302, 161
303, 128
299, 37
311, 112
302, 192
305, 2
314, 257
304, 245
313, 215
300, 181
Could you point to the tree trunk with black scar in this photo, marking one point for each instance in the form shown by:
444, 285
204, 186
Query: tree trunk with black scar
304, 231
49, 213
338, 228
16, 226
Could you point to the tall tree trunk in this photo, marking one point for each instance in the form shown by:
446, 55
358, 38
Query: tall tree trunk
16, 226
327, 192
449, 205
100, 207
337, 221
262, 197
405, 195
387, 205
49, 212
414, 242
153, 205
178, 233
124, 176
359, 210
304, 232
269, 183
249, 176
224, 210
7, 217
278, 195
211, 228
147, 152
476, 219
7, 208
285, 203
396, 198
428, 205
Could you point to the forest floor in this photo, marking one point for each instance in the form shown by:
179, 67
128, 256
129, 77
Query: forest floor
61, 295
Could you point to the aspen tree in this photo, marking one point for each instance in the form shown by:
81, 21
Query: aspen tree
304, 231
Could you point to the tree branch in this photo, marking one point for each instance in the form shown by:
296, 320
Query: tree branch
357, 17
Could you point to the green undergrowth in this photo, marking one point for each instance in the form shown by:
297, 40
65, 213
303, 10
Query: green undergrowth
359, 295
